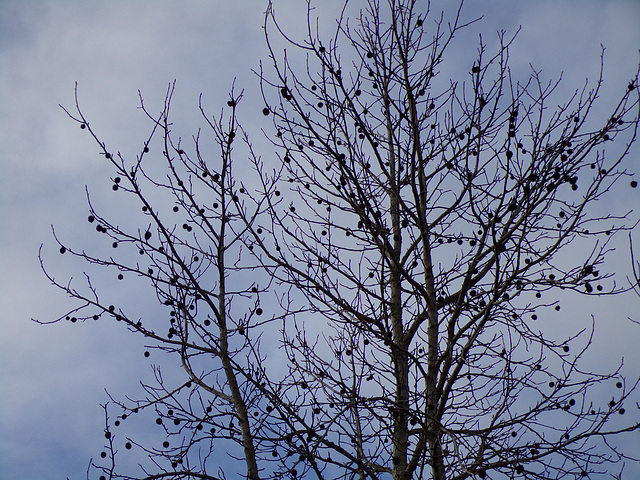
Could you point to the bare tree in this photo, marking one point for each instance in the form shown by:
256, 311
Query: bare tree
404, 244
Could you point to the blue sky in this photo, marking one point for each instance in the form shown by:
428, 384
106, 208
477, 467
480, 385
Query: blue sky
53, 377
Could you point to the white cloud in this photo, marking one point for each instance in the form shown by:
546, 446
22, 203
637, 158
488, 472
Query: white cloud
53, 376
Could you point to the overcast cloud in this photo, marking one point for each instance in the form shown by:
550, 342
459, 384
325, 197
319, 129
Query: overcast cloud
52, 377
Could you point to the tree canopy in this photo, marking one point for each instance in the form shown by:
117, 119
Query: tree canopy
360, 297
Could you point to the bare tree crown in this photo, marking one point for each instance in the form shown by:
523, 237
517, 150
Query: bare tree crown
402, 243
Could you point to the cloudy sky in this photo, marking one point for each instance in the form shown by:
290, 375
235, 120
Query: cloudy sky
53, 377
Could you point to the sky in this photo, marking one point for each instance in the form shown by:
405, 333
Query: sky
52, 377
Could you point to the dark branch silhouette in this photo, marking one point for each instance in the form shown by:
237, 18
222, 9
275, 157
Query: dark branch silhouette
400, 244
